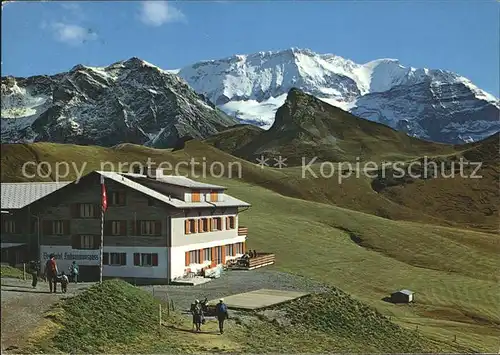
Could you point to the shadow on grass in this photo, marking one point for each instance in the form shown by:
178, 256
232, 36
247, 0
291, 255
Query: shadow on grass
21, 286
190, 331
29, 291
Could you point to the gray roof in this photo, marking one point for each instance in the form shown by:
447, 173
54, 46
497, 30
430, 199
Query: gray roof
19, 194
124, 179
180, 181
406, 292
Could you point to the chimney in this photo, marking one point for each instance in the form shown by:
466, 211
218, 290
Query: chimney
154, 173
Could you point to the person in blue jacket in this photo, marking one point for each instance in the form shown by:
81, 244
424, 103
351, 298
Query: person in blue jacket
222, 314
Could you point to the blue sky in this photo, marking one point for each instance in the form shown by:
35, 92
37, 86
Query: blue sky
50, 37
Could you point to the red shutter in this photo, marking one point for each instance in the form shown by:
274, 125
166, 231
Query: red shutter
107, 227
187, 258
137, 259
75, 210
123, 227
227, 222
223, 256
195, 221
187, 227
105, 258
200, 255
121, 198
213, 256
47, 227
66, 227
243, 247
200, 225
75, 241
158, 227
155, 259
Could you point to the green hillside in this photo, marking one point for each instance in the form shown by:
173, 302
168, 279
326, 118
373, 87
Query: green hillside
306, 127
334, 233
116, 317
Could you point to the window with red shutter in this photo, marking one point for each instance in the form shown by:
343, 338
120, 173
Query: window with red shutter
187, 259
155, 259
105, 258
137, 259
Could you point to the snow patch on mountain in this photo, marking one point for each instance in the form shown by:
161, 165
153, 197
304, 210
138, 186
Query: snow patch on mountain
420, 101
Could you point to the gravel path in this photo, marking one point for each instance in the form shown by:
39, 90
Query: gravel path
23, 308
233, 282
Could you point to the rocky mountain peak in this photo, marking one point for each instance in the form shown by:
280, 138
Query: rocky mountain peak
131, 101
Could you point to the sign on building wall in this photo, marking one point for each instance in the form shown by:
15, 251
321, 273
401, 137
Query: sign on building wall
65, 255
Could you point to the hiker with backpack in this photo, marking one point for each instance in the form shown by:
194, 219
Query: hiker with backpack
198, 315
51, 273
222, 315
73, 272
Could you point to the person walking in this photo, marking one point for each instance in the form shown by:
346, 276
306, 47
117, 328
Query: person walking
64, 282
51, 272
222, 314
73, 272
198, 315
34, 270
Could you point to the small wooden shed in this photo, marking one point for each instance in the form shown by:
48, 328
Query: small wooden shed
403, 296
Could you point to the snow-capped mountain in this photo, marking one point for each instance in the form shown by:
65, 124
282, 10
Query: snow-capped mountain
130, 101
431, 104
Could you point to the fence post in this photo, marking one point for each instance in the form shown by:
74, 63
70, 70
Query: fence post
160, 312
24, 271
455, 338
172, 301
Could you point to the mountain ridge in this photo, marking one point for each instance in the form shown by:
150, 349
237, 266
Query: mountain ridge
432, 104
129, 101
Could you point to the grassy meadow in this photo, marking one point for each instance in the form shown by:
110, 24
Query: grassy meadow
350, 237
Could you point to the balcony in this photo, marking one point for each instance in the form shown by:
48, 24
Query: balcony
242, 230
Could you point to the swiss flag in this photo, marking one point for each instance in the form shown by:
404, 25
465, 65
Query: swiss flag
104, 198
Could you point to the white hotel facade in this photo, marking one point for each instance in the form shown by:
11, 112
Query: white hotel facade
157, 228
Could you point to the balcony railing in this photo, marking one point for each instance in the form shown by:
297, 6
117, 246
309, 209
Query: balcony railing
242, 231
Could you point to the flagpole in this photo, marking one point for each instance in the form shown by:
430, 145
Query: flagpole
104, 205
102, 244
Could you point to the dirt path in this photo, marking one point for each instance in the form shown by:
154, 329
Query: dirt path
23, 309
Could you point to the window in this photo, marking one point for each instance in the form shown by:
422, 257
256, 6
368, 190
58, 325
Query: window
204, 227
116, 228
190, 226
214, 196
9, 226
195, 196
230, 222
207, 254
145, 259
87, 210
118, 259
217, 223
86, 242
116, 198
58, 227
194, 257
150, 228
238, 248
229, 250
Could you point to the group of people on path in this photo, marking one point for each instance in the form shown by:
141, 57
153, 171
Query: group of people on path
197, 309
51, 274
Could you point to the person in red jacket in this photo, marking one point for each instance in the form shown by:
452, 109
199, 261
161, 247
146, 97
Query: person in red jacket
51, 273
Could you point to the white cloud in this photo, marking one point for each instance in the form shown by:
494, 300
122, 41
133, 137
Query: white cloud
72, 34
157, 13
